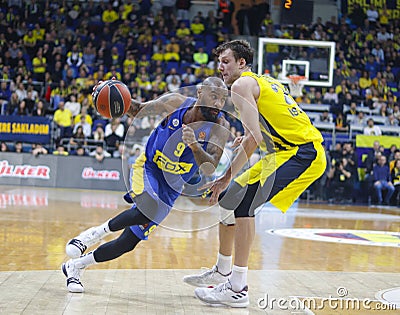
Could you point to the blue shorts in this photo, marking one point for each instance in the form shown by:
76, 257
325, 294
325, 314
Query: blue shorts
152, 196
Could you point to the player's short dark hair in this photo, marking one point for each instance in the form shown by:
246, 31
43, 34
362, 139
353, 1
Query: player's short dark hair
240, 48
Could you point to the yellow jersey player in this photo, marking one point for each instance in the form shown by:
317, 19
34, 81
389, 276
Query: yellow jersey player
294, 159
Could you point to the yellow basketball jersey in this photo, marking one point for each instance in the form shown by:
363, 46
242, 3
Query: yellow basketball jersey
283, 123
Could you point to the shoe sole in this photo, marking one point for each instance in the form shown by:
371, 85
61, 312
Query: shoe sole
197, 285
219, 304
64, 270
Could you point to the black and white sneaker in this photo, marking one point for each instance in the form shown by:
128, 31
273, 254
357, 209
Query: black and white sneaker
73, 275
223, 295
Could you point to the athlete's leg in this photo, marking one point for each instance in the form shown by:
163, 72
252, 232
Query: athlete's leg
73, 268
133, 216
281, 184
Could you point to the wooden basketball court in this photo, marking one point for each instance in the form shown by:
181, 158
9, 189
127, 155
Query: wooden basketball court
36, 223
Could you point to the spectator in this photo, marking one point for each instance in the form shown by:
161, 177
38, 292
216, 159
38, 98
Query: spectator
171, 55
324, 117
80, 151
189, 74
172, 74
39, 64
200, 57
38, 149
371, 129
18, 147
183, 30
60, 150
372, 15
83, 113
352, 110
21, 91
109, 15
383, 181
98, 134
4, 147
86, 127
330, 97
63, 119
395, 175
21, 110
365, 80
359, 120
183, 7
5, 96
75, 57
72, 105
174, 85
158, 85
340, 176
121, 153
341, 123
134, 154
197, 27
99, 153
11, 105
78, 138
358, 15
40, 109
112, 138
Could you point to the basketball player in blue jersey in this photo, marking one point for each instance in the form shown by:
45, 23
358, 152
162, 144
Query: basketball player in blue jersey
294, 158
190, 138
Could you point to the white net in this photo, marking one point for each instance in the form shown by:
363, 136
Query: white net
296, 84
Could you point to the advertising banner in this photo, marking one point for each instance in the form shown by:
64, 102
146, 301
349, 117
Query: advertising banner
392, 6
25, 128
61, 171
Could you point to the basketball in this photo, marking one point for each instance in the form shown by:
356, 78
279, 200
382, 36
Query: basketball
112, 99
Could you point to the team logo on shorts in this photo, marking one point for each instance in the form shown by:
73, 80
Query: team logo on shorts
175, 122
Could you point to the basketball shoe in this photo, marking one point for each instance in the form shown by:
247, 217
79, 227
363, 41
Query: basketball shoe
73, 274
223, 295
78, 245
209, 277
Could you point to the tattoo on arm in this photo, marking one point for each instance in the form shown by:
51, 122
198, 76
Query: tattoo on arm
165, 103
208, 160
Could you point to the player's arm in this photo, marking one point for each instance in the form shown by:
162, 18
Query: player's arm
208, 160
243, 98
165, 103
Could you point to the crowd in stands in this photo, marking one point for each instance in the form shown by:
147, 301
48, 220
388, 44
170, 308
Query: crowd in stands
53, 52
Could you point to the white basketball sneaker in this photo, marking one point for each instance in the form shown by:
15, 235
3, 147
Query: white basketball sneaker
78, 245
209, 277
73, 274
223, 295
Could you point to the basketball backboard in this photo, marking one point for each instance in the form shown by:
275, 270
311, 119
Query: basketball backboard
311, 59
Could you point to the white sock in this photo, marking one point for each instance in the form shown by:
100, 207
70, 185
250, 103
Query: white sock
104, 228
85, 260
224, 264
238, 278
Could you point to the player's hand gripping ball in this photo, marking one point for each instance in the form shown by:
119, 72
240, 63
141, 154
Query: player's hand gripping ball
111, 98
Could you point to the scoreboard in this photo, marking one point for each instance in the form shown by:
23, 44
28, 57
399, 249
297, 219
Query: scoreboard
297, 12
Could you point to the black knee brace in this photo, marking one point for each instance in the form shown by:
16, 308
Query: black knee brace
126, 242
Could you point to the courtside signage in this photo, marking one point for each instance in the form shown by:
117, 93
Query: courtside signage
24, 171
355, 237
90, 173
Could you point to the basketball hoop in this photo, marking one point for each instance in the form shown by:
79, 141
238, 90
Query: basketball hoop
296, 84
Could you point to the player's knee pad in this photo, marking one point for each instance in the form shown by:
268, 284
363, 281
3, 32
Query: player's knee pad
226, 217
